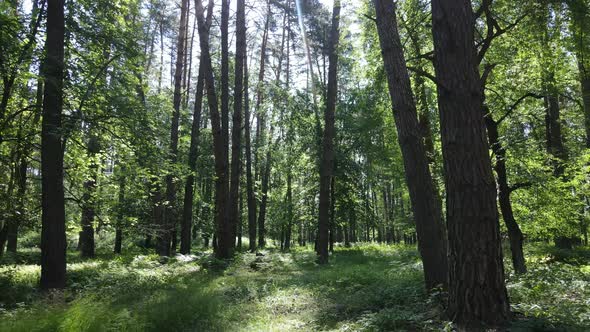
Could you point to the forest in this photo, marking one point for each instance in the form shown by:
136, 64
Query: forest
294, 165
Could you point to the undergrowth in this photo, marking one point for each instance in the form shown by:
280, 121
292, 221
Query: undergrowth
364, 288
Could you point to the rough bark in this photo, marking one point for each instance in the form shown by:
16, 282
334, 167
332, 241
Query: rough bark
223, 235
477, 292
237, 116
53, 233
249, 177
327, 160
425, 205
167, 229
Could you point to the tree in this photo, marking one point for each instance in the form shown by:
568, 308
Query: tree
187, 215
327, 161
249, 178
477, 292
425, 203
237, 116
167, 230
223, 249
53, 233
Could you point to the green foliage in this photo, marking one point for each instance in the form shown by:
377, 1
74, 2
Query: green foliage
368, 287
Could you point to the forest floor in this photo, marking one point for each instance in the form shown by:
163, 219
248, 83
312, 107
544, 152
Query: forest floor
364, 288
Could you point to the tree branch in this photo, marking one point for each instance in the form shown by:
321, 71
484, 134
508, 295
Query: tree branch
520, 185
426, 74
517, 103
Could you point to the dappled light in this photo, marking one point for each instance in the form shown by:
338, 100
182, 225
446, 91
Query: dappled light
295, 165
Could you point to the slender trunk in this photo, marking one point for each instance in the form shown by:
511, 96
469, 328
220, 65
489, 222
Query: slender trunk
327, 161
187, 211
223, 239
425, 205
237, 116
585, 83
477, 292
120, 214
53, 232
332, 214
264, 200
288, 231
19, 211
240, 221
514, 232
167, 231
88, 200
249, 180
161, 71
260, 123
3, 238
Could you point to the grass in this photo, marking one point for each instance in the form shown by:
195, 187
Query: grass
364, 288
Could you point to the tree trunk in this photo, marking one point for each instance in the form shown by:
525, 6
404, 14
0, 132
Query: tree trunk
264, 201
19, 212
53, 233
223, 247
187, 211
260, 124
249, 180
514, 232
86, 241
3, 238
477, 292
237, 116
171, 214
327, 161
425, 204
288, 231
332, 215
120, 214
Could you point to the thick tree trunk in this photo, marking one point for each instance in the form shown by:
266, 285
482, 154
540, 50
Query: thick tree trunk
237, 116
514, 232
425, 203
225, 89
327, 161
477, 292
223, 247
53, 233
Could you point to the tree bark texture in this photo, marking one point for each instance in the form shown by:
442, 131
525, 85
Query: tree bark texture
53, 233
327, 161
425, 204
477, 291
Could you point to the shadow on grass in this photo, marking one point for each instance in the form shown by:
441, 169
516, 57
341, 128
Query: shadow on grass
372, 288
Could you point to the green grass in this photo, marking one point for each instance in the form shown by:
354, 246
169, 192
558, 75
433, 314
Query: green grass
364, 288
